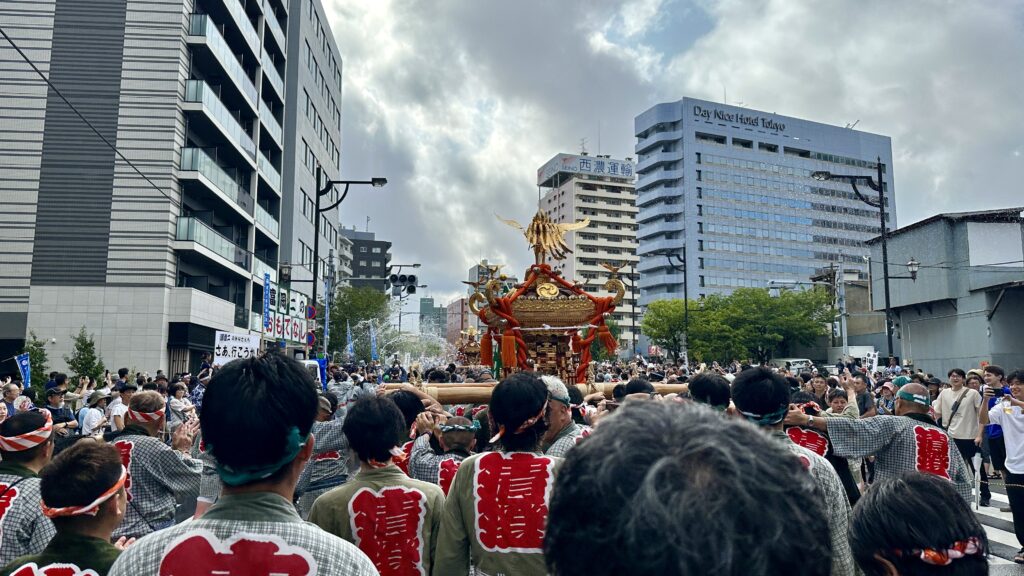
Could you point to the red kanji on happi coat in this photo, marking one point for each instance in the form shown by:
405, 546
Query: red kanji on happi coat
403, 463
329, 455
446, 473
811, 439
31, 569
511, 501
7, 500
125, 447
201, 553
932, 451
388, 527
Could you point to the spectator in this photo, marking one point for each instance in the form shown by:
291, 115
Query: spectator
329, 467
992, 434
509, 541
762, 396
910, 442
897, 528
691, 506
11, 393
26, 445
63, 420
180, 403
957, 410
83, 493
119, 409
196, 396
711, 389
886, 404
93, 415
865, 401
1007, 413
257, 418
412, 508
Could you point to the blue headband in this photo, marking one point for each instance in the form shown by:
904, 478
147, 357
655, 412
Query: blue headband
770, 419
234, 477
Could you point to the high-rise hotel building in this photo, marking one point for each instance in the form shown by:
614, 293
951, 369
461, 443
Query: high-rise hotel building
600, 188
729, 190
220, 111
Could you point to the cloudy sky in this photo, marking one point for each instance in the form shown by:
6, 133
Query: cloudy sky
459, 102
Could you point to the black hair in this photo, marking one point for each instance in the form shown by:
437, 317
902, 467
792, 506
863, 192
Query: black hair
665, 488
333, 399
53, 375
122, 373
618, 392
576, 397
639, 385
78, 476
140, 381
1017, 375
801, 397
437, 376
900, 514
760, 391
60, 379
997, 370
62, 443
805, 377
173, 388
19, 424
250, 407
957, 371
794, 383
859, 376
150, 386
836, 393
515, 400
410, 405
710, 388
373, 426
458, 439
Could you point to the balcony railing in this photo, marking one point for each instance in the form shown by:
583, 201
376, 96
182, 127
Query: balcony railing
244, 24
272, 74
200, 91
259, 268
195, 230
273, 126
274, 25
267, 220
268, 171
198, 160
200, 25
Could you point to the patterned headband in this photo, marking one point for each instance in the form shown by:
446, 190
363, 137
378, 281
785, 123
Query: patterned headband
957, 550
460, 427
769, 419
89, 509
522, 427
146, 416
30, 439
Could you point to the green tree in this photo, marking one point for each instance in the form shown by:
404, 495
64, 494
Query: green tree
36, 349
597, 350
83, 360
357, 307
664, 324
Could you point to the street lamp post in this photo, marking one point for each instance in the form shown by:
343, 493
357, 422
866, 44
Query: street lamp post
669, 255
876, 185
323, 190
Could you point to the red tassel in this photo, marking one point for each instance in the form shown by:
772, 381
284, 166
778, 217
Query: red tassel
486, 351
508, 350
607, 339
577, 343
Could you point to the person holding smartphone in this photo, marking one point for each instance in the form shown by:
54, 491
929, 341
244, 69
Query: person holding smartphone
1006, 410
992, 434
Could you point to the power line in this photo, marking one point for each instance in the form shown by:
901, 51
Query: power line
25, 57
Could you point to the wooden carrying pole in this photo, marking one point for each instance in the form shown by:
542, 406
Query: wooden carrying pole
481, 394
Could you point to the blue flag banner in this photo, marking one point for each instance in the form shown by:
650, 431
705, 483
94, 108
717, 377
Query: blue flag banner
26, 368
373, 342
322, 362
327, 314
350, 348
266, 300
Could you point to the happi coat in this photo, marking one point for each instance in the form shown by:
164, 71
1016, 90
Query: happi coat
157, 476
257, 534
23, 528
392, 518
902, 443
496, 514
67, 554
429, 466
327, 468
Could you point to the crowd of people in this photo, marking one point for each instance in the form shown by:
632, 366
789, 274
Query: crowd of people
257, 468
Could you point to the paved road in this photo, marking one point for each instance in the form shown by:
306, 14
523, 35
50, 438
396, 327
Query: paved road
1001, 538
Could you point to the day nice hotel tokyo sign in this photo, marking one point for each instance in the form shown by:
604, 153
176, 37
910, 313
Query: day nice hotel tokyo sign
739, 118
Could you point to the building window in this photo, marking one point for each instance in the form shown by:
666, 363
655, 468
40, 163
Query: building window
376, 249
362, 249
377, 263
362, 263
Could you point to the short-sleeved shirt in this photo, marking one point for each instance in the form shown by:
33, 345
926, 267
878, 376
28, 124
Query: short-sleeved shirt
865, 402
1013, 434
964, 424
565, 440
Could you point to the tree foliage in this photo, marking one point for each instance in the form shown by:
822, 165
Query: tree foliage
39, 361
358, 307
597, 350
747, 324
83, 360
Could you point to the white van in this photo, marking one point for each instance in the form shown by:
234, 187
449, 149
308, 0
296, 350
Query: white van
795, 364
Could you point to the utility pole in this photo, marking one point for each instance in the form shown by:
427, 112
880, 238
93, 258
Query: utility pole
328, 298
841, 291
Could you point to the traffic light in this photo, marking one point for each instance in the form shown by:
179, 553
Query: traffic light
403, 282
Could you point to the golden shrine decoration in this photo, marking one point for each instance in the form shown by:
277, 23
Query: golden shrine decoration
539, 323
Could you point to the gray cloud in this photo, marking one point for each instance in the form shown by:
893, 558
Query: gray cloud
458, 103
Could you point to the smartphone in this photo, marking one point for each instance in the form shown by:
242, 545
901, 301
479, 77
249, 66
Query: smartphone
997, 392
